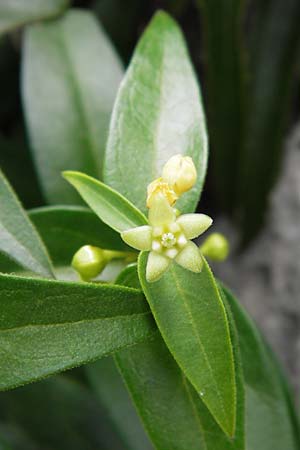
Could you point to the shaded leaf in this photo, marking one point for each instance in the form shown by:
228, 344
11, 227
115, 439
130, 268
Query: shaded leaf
18, 238
49, 326
109, 387
70, 77
114, 209
15, 13
273, 63
222, 27
63, 416
185, 305
270, 424
158, 113
64, 229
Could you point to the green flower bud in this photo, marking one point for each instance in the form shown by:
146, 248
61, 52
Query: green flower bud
89, 261
215, 247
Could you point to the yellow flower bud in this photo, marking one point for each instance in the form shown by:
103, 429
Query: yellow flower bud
159, 186
89, 261
180, 173
215, 247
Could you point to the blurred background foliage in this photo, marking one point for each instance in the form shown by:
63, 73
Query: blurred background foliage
246, 55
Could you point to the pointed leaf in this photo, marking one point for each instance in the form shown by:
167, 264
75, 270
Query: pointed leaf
112, 208
49, 326
18, 237
15, 13
158, 113
172, 411
70, 77
191, 317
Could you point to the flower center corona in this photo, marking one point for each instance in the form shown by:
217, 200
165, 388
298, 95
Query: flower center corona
168, 240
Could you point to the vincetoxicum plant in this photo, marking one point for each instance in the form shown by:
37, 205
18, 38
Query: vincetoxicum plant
197, 369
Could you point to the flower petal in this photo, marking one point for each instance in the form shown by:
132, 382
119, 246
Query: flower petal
160, 212
194, 224
190, 258
157, 264
139, 238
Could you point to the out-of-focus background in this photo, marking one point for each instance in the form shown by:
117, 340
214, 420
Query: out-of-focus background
246, 56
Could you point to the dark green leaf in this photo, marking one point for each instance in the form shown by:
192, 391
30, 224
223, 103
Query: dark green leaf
222, 26
64, 229
269, 421
158, 113
129, 277
14, 438
185, 305
15, 13
274, 60
113, 12
114, 209
49, 326
16, 163
70, 78
113, 396
18, 237
59, 414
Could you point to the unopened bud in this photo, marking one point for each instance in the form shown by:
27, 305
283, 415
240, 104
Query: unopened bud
215, 247
180, 173
159, 186
89, 261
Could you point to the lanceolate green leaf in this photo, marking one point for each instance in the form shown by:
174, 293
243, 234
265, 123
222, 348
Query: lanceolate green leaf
158, 113
192, 319
49, 326
18, 237
64, 229
112, 208
15, 13
172, 411
70, 77
269, 417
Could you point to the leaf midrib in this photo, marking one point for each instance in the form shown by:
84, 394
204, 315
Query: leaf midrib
198, 338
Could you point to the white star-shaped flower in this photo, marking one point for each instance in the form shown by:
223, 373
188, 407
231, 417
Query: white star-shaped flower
167, 237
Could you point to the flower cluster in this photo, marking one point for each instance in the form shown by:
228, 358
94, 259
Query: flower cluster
168, 235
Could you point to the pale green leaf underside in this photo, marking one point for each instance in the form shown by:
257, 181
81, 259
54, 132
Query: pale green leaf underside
49, 326
15, 13
112, 208
69, 81
192, 319
18, 237
158, 113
